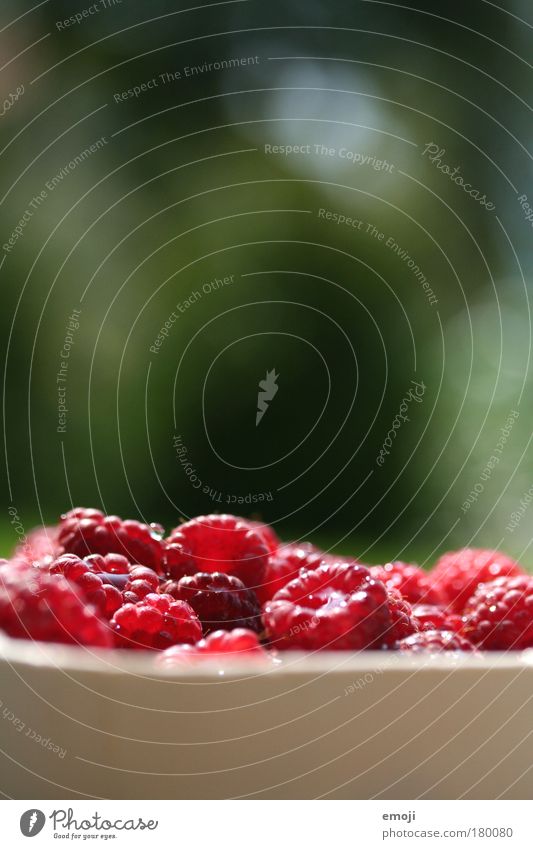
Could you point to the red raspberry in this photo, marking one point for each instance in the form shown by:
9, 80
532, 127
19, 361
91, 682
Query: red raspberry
37, 606
411, 581
499, 616
84, 532
430, 617
217, 544
435, 641
270, 537
156, 622
220, 600
336, 606
457, 574
39, 544
94, 587
284, 566
239, 642
107, 581
403, 622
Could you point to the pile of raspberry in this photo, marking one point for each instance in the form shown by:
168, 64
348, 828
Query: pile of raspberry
222, 586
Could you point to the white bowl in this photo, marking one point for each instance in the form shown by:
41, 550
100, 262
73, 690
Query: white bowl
77, 724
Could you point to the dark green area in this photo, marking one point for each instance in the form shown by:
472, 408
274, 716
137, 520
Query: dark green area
185, 195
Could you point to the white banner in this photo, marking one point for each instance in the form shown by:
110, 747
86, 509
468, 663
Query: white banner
267, 824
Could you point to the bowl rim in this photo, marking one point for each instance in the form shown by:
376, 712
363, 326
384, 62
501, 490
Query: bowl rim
110, 662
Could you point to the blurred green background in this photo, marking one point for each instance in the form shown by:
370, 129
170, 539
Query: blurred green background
182, 197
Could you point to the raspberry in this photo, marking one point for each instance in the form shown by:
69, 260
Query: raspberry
220, 600
84, 532
156, 622
17, 562
411, 581
94, 587
499, 616
217, 544
336, 606
37, 606
435, 641
107, 581
430, 617
239, 642
284, 566
403, 622
39, 544
457, 574
271, 539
